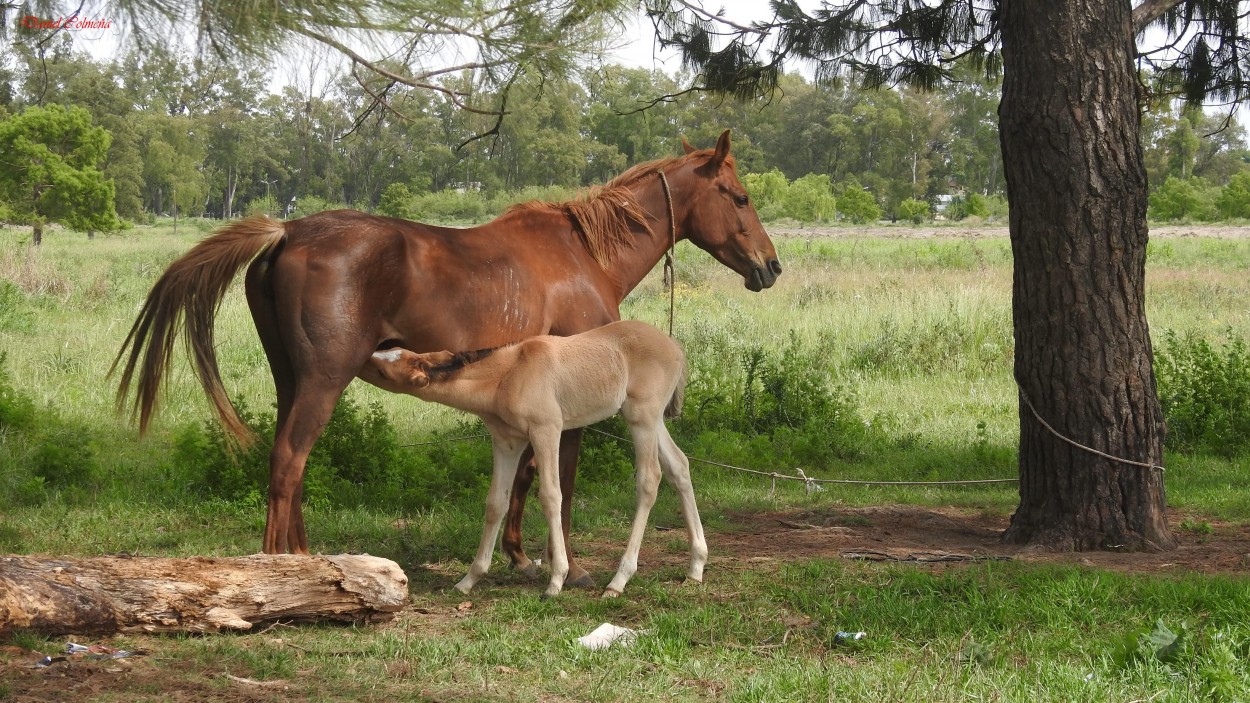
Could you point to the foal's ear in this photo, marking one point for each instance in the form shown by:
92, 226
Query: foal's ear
686, 146
722, 148
418, 373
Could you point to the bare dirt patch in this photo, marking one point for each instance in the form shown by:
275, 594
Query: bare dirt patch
927, 535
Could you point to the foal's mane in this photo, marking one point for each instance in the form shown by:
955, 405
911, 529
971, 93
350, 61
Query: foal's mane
604, 216
460, 360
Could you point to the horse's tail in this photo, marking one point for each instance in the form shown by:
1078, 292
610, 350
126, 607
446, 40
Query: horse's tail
673, 409
192, 288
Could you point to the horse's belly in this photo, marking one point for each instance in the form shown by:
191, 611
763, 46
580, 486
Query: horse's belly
592, 410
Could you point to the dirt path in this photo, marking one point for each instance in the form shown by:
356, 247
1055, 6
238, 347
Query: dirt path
912, 534
1218, 231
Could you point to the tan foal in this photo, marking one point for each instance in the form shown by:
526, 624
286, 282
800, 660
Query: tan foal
529, 392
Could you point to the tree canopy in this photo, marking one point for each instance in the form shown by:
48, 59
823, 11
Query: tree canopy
415, 43
51, 159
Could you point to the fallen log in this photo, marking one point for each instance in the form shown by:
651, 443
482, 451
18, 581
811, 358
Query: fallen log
102, 595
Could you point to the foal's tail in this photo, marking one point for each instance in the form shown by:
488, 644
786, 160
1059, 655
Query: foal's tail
191, 288
673, 409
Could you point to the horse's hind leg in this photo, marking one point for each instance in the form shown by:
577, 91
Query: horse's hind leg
546, 443
311, 407
570, 446
521, 483
646, 460
677, 469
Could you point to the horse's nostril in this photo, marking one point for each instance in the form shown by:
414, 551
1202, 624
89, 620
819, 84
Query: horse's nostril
775, 266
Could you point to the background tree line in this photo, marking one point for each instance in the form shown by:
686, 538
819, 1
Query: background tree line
194, 137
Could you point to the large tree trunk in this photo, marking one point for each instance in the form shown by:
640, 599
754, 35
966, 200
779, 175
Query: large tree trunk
1077, 186
102, 595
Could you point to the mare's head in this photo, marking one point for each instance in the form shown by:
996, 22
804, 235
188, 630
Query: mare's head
721, 219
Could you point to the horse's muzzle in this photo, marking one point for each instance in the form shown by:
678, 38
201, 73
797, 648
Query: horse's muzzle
762, 277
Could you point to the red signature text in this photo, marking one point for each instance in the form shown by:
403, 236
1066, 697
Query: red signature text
72, 22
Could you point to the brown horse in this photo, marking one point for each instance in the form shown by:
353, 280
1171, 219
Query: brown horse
327, 290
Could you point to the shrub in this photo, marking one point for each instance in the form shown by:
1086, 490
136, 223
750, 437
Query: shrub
768, 193
265, 205
916, 211
857, 204
37, 450
1234, 199
1205, 393
781, 407
449, 206
1179, 199
357, 461
810, 199
396, 201
312, 204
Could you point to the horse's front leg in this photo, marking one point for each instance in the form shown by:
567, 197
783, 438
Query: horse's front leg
570, 447
506, 452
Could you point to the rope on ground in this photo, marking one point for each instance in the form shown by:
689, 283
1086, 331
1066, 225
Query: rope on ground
813, 484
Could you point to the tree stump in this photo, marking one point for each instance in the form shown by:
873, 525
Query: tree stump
103, 595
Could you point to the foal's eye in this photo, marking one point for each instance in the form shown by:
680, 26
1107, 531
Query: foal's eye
741, 200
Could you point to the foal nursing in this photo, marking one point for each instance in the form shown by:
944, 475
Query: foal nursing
530, 391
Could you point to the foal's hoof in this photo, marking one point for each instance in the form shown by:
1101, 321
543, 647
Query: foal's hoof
691, 582
610, 593
581, 580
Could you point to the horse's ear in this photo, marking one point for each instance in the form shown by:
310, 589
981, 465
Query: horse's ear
722, 148
418, 373
686, 146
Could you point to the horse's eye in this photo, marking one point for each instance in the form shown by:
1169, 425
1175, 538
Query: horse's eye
741, 200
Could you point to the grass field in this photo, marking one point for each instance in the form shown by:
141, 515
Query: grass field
914, 334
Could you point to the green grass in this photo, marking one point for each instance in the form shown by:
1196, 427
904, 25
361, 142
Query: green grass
916, 331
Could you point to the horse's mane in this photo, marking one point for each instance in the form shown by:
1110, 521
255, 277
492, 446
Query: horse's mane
605, 216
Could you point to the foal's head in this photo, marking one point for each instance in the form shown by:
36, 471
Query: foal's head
722, 221
403, 371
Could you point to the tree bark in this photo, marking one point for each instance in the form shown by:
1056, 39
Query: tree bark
37, 237
103, 595
1069, 127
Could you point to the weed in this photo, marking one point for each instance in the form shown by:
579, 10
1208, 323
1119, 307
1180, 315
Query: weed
1197, 527
1205, 393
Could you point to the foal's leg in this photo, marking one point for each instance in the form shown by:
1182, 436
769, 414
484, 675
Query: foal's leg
570, 445
546, 444
677, 469
646, 461
506, 452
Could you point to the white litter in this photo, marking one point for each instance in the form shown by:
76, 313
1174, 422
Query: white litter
607, 635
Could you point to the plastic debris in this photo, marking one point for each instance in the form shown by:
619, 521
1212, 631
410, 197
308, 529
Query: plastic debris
78, 652
848, 637
96, 651
607, 635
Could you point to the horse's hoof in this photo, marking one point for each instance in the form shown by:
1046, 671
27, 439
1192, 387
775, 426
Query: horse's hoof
610, 593
529, 570
691, 581
582, 581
